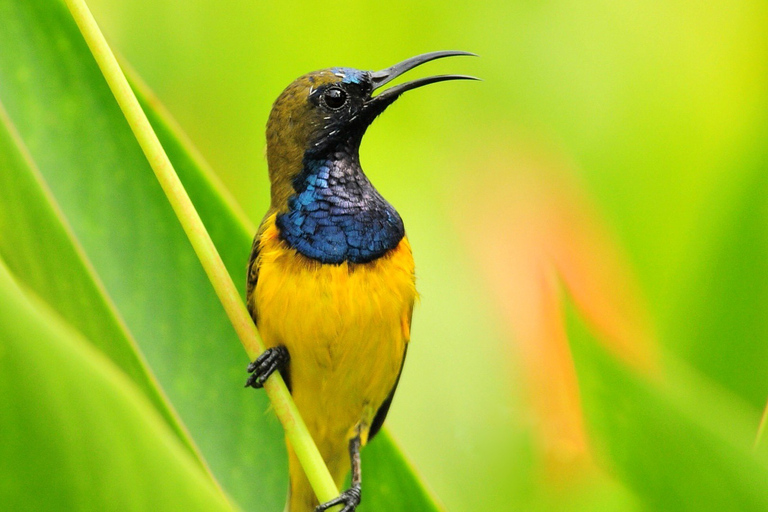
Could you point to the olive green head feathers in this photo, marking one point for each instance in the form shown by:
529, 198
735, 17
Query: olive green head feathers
327, 111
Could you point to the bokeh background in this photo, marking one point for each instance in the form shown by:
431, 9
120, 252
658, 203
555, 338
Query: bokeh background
601, 194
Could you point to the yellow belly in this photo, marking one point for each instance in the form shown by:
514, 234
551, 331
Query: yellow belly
345, 326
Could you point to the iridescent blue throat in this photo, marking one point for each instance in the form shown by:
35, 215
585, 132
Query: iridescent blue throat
336, 215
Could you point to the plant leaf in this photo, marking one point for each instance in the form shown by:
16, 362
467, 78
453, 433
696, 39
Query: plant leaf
680, 443
78, 434
721, 327
39, 246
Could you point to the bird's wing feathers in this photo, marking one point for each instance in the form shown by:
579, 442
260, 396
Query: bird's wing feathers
381, 414
253, 277
253, 268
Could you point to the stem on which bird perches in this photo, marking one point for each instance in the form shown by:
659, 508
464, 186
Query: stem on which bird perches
282, 403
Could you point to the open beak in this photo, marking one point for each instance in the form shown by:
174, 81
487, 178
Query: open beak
378, 103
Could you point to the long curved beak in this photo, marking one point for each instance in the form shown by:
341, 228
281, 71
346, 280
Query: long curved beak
378, 103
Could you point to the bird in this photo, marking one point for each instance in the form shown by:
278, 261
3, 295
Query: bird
331, 280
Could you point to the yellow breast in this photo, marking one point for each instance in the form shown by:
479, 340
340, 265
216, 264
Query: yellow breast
345, 326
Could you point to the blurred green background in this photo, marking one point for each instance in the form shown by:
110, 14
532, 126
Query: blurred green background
614, 159
658, 110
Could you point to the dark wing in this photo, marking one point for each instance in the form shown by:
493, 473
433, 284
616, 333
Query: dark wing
250, 290
253, 269
252, 278
381, 414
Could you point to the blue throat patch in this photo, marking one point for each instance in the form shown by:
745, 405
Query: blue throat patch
336, 215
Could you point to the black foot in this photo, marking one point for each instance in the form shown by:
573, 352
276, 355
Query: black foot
265, 365
349, 498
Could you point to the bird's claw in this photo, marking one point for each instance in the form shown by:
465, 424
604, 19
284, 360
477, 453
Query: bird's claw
265, 365
349, 498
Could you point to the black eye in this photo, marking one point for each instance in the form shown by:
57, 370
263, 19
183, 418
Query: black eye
335, 98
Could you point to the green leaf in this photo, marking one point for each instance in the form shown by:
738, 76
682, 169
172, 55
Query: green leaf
680, 443
720, 326
390, 482
78, 434
38, 245
107, 194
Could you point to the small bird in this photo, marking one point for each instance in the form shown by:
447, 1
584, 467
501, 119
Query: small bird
331, 282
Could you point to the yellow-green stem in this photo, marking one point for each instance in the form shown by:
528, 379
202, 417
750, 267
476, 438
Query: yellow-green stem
282, 403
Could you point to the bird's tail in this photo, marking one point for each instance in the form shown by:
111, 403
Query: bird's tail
301, 497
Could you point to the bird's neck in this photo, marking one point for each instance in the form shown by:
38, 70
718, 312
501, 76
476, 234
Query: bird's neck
335, 214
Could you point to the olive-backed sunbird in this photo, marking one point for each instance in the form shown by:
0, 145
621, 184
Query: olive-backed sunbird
331, 281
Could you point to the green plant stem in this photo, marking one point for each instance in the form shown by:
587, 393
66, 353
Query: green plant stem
282, 403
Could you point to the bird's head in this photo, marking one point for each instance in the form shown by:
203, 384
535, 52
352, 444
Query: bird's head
326, 113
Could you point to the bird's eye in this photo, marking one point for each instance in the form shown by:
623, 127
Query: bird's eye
335, 98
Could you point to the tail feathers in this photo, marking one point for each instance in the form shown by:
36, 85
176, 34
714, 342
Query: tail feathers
301, 497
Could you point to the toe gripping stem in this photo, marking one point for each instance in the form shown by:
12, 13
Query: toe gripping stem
352, 496
272, 359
